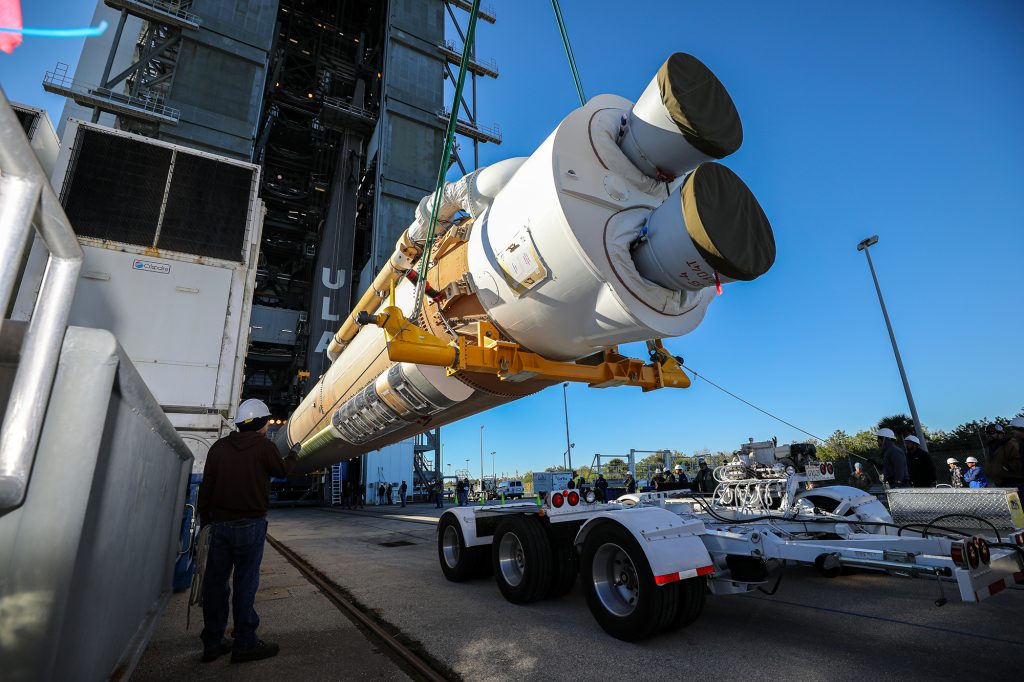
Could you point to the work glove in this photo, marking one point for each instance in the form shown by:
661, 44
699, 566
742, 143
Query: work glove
296, 449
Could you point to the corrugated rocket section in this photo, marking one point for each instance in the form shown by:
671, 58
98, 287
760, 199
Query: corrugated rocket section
619, 228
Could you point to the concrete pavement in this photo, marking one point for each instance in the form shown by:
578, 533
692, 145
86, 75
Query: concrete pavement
317, 641
860, 626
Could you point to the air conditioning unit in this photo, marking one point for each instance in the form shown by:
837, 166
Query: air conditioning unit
171, 237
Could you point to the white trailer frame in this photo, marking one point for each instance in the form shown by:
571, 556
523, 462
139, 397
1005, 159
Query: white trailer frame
700, 546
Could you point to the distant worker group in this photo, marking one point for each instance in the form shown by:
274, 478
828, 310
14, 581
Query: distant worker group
676, 479
914, 467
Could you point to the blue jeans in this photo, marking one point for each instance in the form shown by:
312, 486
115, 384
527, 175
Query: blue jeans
401, 497
237, 544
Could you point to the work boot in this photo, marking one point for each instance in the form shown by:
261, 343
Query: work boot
212, 653
255, 652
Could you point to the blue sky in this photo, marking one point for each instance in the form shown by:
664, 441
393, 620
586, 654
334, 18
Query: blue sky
900, 119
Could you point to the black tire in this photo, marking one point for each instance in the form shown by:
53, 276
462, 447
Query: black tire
521, 559
628, 606
692, 595
564, 570
458, 562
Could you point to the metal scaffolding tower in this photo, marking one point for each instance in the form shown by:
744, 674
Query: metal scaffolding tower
137, 94
470, 127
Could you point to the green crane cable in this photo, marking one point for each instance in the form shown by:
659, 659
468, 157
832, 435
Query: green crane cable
568, 51
442, 171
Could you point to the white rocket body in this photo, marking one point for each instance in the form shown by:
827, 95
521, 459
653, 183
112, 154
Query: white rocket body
551, 261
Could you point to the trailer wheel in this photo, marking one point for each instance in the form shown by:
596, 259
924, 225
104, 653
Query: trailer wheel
565, 569
692, 595
459, 563
619, 586
521, 559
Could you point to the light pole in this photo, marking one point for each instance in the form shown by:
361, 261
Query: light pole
865, 246
565, 403
481, 457
493, 474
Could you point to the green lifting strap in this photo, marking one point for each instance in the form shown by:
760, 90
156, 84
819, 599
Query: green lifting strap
446, 157
568, 51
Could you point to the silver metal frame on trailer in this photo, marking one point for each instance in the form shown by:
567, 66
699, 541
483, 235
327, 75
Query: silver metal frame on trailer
628, 552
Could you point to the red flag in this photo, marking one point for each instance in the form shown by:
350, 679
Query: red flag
10, 17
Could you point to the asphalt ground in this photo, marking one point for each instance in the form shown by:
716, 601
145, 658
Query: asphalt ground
861, 626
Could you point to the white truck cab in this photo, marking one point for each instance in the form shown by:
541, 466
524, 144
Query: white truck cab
512, 490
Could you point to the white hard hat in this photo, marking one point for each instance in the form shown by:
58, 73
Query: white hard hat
952, 460
1016, 423
885, 433
972, 460
858, 465
912, 439
251, 409
657, 471
678, 467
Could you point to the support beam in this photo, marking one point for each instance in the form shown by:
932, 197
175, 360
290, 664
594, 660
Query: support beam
493, 354
143, 60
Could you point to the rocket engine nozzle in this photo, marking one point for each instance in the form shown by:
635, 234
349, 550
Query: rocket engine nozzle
683, 118
711, 225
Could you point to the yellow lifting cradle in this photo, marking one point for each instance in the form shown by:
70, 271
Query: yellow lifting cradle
492, 354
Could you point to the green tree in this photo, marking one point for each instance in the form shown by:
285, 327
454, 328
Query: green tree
616, 467
650, 461
527, 480
900, 424
839, 445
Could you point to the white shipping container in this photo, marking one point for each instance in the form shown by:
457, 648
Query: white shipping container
547, 481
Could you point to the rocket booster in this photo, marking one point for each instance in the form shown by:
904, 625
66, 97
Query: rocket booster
620, 227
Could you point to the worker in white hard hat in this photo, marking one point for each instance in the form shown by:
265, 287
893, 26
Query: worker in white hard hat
682, 482
658, 481
233, 498
920, 467
894, 460
975, 477
1004, 468
956, 474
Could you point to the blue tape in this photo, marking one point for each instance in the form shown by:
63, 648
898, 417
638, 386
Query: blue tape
85, 32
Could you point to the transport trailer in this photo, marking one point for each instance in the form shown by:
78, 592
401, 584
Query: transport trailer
647, 562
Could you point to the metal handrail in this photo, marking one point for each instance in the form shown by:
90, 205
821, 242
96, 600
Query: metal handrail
339, 103
488, 64
492, 130
487, 12
163, 7
151, 101
27, 200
